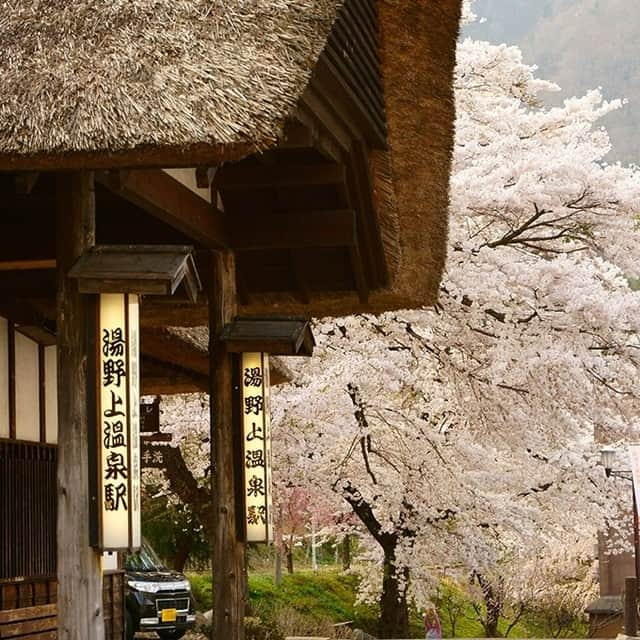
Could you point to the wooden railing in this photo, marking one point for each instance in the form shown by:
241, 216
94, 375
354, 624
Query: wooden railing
30, 622
30, 592
28, 608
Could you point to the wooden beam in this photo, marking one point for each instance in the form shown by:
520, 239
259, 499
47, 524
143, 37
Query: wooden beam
27, 265
358, 109
25, 313
296, 136
293, 230
321, 142
80, 614
243, 176
24, 284
332, 123
39, 333
171, 385
145, 156
205, 176
298, 270
229, 561
160, 378
163, 197
359, 193
242, 287
359, 274
163, 313
169, 348
26, 181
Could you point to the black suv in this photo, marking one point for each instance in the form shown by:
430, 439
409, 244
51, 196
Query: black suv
157, 599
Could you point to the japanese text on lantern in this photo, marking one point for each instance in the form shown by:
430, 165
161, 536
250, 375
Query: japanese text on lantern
256, 451
118, 416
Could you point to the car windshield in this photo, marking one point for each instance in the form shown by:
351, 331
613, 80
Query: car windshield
143, 560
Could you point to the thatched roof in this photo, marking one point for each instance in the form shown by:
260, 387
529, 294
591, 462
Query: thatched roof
102, 83
96, 76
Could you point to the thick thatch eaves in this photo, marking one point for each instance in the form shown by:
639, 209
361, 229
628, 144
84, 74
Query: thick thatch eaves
411, 179
106, 84
110, 76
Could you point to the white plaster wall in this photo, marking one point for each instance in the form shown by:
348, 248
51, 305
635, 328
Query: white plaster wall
4, 379
188, 178
27, 389
51, 393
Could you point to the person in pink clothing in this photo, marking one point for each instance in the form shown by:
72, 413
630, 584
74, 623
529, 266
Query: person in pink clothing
432, 626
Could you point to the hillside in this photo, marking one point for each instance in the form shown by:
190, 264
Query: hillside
579, 44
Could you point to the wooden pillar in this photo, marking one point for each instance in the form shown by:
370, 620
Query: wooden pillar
79, 566
229, 563
630, 606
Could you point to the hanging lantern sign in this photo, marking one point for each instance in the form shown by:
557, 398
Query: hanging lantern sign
118, 437
256, 446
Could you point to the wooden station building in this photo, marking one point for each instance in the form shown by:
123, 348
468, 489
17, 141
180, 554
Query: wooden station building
292, 157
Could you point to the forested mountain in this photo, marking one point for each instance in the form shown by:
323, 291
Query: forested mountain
579, 44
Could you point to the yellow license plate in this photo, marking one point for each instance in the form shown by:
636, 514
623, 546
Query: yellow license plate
168, 615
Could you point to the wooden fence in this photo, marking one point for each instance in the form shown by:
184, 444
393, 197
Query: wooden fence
28, 608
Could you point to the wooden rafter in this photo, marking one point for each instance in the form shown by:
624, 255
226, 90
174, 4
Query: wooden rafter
163, 197
167, 347
360, 193
300, 283
255, 176
315, 136
27, 265
340, 132
24, 284
160, 378
358, 273
293, 230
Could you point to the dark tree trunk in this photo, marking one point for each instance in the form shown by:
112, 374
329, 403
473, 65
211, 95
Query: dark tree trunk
346, 553
394, 611
493, 606
182, 554
491, 623
278, 567
289, 553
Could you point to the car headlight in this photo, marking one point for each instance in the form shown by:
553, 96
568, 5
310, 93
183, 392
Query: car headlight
154, 587
147, 587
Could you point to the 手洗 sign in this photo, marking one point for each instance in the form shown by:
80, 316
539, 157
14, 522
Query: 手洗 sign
256, 446
118, 400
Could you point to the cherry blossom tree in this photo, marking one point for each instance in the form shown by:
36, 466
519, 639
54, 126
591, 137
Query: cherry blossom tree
466, 432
